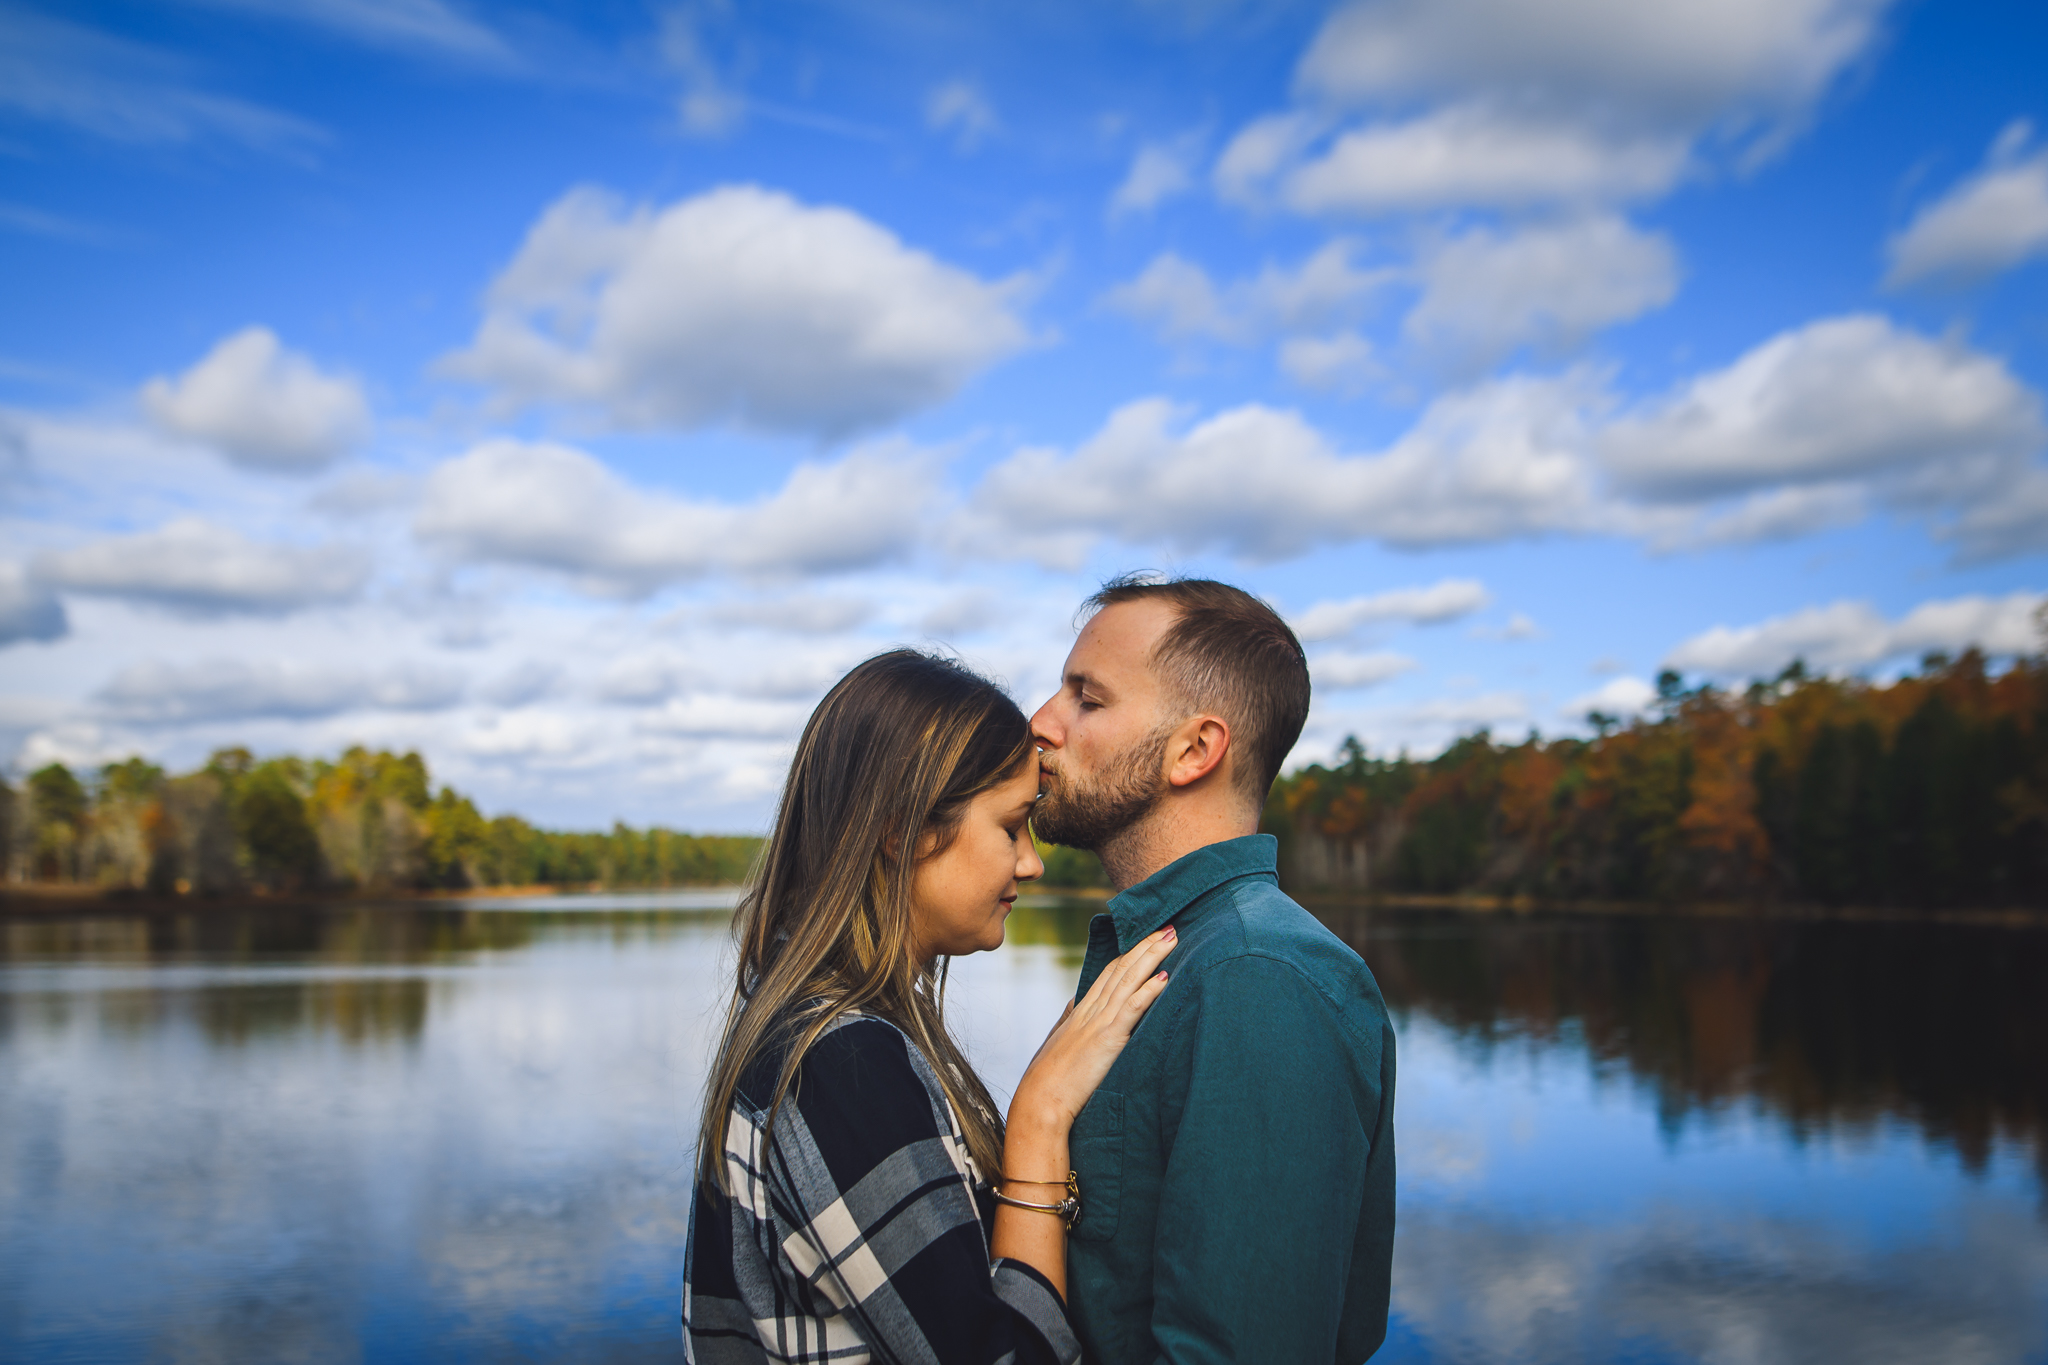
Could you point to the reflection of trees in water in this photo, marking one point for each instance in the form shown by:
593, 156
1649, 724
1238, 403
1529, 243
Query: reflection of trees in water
1825, 1024
357, 1010
1058, 922
371, 1003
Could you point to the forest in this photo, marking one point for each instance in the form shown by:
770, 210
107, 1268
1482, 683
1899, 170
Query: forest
367, 821
1928, 791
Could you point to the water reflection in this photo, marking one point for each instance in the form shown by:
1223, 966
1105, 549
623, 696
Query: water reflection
1683, 1285
1827, 1025
358, 973
461, 1131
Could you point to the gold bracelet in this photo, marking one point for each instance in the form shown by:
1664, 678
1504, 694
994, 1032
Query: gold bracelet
1068, 1209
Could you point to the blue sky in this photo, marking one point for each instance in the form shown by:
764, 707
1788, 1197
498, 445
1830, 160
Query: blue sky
571, 393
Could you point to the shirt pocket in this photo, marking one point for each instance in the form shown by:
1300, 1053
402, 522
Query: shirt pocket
1096, 1146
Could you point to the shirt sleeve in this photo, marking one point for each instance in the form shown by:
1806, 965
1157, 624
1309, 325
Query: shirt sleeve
1266, 1175
881, 1220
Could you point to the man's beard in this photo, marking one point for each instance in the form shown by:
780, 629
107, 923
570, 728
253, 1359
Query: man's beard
1088, 817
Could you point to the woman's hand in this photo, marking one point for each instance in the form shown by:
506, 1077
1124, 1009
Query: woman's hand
1070, 1063
1078, 1052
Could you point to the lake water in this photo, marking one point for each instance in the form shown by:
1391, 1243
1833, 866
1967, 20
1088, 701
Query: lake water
410, 1132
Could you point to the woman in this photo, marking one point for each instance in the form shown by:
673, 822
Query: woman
857, 1198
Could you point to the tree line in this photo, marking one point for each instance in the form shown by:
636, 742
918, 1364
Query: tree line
367, 821
1928, 791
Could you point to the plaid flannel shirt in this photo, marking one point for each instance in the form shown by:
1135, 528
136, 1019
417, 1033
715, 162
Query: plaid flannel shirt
858, 1231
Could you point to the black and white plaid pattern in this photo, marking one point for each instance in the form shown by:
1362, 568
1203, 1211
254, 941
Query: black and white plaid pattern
858, 1232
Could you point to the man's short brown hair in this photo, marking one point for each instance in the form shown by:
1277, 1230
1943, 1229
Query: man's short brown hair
1229, 652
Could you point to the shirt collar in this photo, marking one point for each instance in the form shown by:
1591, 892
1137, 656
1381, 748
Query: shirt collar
1173, 888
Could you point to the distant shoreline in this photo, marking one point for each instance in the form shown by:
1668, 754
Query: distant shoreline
1531, 907
51, 900
61, 900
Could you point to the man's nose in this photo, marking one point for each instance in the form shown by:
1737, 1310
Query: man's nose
1044, 728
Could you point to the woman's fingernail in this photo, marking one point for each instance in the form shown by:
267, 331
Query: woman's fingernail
1170, 934
1162, 976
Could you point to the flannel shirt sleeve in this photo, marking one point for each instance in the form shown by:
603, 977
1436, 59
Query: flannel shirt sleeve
868, 1175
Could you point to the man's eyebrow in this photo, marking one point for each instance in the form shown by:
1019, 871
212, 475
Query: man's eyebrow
1083, 681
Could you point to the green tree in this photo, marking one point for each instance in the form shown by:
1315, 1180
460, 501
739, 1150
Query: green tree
456, 840
134, 778
59, 803
277, 840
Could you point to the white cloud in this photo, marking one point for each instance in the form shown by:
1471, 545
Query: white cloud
198, 568
427, 26
710, 105
687, 677
1495, 462
1990, 222
1460, 714
1342, 362
552, 507
1425, 727
1624, 696
1158, 172
962, 613
1853, 635
28, 609
1551, 285
645, 678
1505, 103
1264, 148
123, 91
262, 405
1810, 430
237, 689
1178, 298
77, 743
1445, 600
1686, 62
727, 717
2012, 519
795, 613
1341, 671
1474, 155
1849, 397
739, 305
362, 492
960, 108
524, 683
1770, 514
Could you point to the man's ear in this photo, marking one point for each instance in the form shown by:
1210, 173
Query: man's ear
1197, 748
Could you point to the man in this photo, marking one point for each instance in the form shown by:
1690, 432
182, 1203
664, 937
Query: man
1236, 1167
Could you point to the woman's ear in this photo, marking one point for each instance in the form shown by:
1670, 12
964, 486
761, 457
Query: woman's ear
892, 845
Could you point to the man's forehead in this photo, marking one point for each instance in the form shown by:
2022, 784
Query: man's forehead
1116, 644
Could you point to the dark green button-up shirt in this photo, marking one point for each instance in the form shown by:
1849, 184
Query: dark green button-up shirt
1237, 1163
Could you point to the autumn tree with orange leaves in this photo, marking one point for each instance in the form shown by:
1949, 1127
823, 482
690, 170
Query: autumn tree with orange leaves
1928, 791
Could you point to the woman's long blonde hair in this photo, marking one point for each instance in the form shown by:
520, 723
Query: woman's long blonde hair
882, 776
